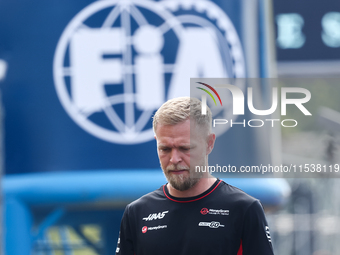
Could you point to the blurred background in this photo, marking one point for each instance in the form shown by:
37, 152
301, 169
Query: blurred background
81, 80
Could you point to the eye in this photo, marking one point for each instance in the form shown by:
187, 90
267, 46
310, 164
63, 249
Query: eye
164, 149
185, 149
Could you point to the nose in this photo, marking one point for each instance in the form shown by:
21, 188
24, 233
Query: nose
175, 156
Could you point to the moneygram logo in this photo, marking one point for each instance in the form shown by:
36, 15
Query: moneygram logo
204, 211
117, 61
238, 105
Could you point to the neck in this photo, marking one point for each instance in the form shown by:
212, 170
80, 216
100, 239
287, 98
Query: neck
201, 186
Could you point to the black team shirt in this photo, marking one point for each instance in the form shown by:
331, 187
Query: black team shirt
223, 220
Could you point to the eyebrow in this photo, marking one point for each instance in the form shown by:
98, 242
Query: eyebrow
181, 145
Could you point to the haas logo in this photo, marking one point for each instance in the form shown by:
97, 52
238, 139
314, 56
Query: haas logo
155, 216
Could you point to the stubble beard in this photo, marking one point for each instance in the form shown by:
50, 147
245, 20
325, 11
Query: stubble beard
184, 181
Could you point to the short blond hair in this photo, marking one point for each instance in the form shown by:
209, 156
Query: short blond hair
180, 109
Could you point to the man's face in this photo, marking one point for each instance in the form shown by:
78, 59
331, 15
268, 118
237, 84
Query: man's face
180, 150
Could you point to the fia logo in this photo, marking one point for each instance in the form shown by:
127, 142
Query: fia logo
118, 61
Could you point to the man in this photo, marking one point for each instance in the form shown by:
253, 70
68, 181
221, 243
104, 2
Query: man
194, 213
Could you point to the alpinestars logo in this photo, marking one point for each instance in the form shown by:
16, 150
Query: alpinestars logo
268, 234
155, 216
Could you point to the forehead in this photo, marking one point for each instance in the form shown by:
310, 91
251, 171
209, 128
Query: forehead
181, 132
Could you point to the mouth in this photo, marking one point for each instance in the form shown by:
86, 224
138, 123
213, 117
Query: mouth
178, 171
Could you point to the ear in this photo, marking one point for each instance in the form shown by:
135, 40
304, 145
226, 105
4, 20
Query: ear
155, 137
210, 142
